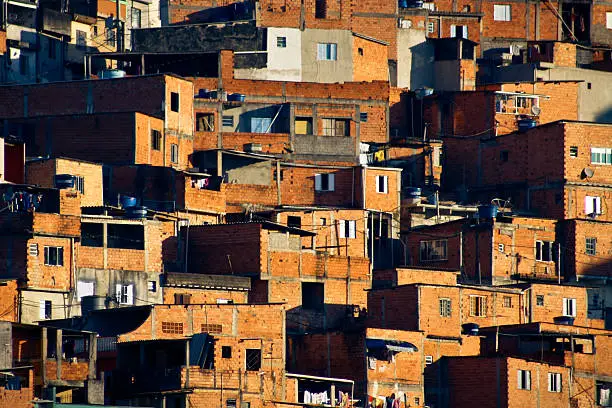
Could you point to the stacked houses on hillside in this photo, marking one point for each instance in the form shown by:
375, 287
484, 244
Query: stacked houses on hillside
347, 203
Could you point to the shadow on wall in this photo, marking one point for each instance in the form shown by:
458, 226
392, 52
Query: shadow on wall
421, 69
605, 116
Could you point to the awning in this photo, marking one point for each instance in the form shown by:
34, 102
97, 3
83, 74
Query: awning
391, 345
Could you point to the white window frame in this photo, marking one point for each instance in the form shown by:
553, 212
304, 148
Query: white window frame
453, 30
540, 247
569, 307
174, 153
43, 310
431, 27
478, 308
124, 293
331, 181
554, 382
523, 380
590, 246
281, 41
592, 205
347, 229
601, 156
609, 20
327, 51
432, 247
446, 307
502, 12
382, 184
85, 289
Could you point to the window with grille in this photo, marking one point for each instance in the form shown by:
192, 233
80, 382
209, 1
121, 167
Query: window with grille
601, 155
539, 300
435, 250
554, 382
502, 12
79, 184
591, 246
445, 307
524, 379
124, 294
478, 306
54, 256
211, 328
253, 359
281, 42
228, 121
155, 139
573, 151
172, 328
507, 301
336, 127
430, 27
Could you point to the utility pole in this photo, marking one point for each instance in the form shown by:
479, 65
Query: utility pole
119, 28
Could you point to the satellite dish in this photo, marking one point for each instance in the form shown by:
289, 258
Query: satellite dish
536, 110
587, 173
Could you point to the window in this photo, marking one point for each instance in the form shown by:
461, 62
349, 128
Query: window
323, 221
459, 31
54, 256
524, 379
589, 85
152, 286
324, 182
182, 299
172, 328
313, 295
174, 153
275, 175
174, 101
434, 250
445, 307
544, 251
79, 184
360, 51
478, 306
211, 328
33, 249
592, 205
261, 125
336, 127
281, 42
609, 20
437, 156
230, 403
591, 246
124, 294
52, 49
503, 155
569, 307
327, 52
604, 394
382, 184
136, 18
554, 382
600, 155
253, 359
205, 122
320, 8
428, 360
347, 228
303, 126
502, 12
45, 309
539, 300
573, 151
155, 139
430, 27
24, 64
226, 352
417, 401
81, 39
223, 301
293, 221
507, 301
363, 116
84, 289
228, 121
110, 37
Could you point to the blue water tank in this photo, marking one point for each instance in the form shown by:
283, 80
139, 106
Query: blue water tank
566, 320
203, 93
487, 211
127, 201
236, 97
136, 212
111, 73
403, 3
526, 124
412, 192
63, 181
471, 329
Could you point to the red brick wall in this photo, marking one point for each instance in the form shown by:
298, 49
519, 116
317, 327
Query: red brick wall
21, 398
369, 64
8, 301
578, 262
200, 296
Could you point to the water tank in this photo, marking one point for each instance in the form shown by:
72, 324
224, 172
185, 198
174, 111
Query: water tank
63, 181
111, 73
412, 196
403, 3
127, 201
203, 93
236, 97
91, 303
136, 212
487, 211
566, 320
471, 329
526, 124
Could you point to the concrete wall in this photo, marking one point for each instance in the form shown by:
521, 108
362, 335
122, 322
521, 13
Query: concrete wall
314, 70
30, 305
414, 60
